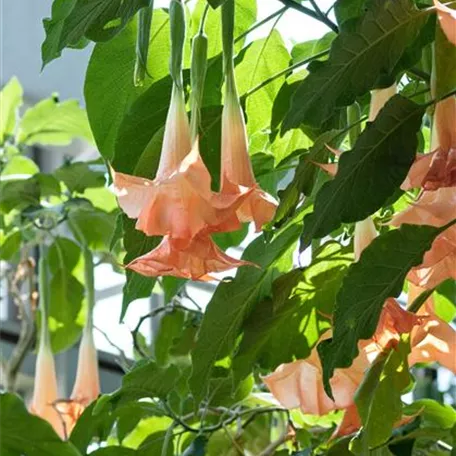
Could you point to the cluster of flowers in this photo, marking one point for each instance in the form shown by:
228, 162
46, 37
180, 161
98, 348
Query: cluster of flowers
180, 205
299, 384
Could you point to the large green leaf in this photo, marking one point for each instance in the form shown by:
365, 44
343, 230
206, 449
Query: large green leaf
21, 165
262, 59
357, 61
52, 122
26, 434
378, 275
10, 100
378, 399
287, 325
136, 243
74, 20
79, 176
110, 72
370, 173
234, 300
66, 312
17, 194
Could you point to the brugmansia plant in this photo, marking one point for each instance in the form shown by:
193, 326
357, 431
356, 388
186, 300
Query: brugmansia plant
331, 164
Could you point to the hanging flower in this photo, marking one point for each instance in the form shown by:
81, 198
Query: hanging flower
179, 201
438, 168
447, 18
45, 391
195, 260
236, 169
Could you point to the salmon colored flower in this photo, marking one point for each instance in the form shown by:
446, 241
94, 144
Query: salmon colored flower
179, 201
194, 260
433, 341
378, 100
45, 391
236, 167
365, 233
438, 168
447, 18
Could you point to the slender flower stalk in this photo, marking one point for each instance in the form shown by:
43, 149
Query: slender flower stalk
45, 391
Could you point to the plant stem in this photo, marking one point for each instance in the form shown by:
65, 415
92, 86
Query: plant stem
311, 13
419, 301
89, 287
260, 23
284, 71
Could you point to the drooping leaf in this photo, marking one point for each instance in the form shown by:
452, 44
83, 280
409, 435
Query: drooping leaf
357, 60
26, 434
79, 176
20, 165
136, 243
10, 101
54, 123
17, 194
74, 20
110, 72
378, 275
233, 301
66, 317
170, 328
378, 399
287, 325
370, 173
10, 245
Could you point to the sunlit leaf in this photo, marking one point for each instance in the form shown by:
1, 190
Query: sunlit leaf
10, 101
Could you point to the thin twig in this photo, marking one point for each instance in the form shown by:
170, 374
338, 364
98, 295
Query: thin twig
122, 359
272, 447
311, 13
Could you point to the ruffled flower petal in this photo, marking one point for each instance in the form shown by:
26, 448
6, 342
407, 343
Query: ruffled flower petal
436, 208
447, 18
45, 392
196, 259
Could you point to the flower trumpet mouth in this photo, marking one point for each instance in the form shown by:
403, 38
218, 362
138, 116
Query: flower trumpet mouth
196, 259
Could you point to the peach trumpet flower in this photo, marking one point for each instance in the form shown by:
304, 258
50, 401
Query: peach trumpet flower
195, 259
438, 168
447, 18
236, 167
45, 391
365, 233
179, 201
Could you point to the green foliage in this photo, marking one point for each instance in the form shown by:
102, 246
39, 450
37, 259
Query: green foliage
378, 398
54, 123
23, 433
74, 21
10, 101
381, 270
357, 61
370, 173
221, 325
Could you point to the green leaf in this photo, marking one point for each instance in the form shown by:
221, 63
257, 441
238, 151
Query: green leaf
10, 101
378, 275
92, 227
66, 313
146, 380
18, 194
347, 12
20, 165
72, 20
444, 303
79, 176
262, 59
136, 244
114, 451
370, 173
10, 245
245, 11
110, 72
221, 323
432, 413
356, 61
302, 51
378, 399
306, 174
170, 328
26, 434
54, 123
215, 3
286, 326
